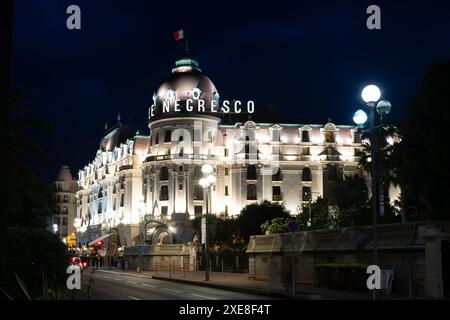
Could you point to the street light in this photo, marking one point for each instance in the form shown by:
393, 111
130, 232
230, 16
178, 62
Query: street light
371, 95
55, 228
206, 183
360, 117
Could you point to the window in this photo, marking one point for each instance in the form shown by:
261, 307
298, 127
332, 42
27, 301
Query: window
196, 93
332, 173
156, 137
276, 193
329, 136
180, 187
180, 138
226, 171
305, 136
99, 208
251, 172
306, 174
167, 151
114, 205
180, 168
167, 136
305, 151
65, 199
198, 210
198, 192
144, 190
251, 192
164, 174
225, 152
164, 193
198, 173
164, 211
122, 200
226, 190
226, 210
181, 153
64, 210
57, 199
64, 221
277, 175
114, 189
100, 192
306, 194
275, 135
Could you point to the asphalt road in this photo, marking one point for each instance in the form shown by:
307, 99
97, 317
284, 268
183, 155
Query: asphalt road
111, 286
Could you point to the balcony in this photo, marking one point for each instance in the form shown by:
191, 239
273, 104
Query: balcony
126, 167
277, 197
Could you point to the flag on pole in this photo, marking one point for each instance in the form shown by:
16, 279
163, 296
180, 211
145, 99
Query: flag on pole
178, 35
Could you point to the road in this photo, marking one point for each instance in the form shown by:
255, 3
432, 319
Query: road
112, 286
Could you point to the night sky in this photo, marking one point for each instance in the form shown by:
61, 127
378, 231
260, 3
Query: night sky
312, 58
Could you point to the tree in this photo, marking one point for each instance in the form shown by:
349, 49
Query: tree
315, 215
6, 35
424, 154
254, 215
349, 198
277, 225
24, 198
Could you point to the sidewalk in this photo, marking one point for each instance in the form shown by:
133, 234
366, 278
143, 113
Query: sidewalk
241, 283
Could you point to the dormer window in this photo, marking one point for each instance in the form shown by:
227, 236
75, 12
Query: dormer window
170, 95
196, 93
216, 96
305, 136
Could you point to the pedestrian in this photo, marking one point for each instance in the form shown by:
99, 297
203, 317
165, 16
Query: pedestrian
126, 264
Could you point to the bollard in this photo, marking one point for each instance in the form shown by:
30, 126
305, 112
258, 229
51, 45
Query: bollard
222, 265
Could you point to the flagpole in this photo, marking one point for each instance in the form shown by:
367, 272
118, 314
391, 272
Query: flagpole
187, 41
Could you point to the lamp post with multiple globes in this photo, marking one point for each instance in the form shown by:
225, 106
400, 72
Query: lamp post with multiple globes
206, 182
371, 95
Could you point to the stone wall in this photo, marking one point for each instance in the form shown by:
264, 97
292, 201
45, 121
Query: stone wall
401, 247
163, 257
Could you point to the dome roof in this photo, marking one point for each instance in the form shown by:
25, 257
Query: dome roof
64, 174
185, 82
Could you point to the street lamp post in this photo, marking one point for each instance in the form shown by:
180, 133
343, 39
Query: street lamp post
371, 95
206, 183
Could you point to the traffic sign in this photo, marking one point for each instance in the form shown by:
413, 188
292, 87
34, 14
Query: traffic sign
140, 247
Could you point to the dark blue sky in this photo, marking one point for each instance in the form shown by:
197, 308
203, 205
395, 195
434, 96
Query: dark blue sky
312, 58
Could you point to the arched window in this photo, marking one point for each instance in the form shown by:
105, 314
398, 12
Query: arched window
306, 174
251, 191
277, 176
251, 172
164, 174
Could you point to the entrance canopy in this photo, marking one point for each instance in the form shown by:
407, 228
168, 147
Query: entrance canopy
99, 239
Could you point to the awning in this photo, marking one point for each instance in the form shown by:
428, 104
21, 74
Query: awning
99, 239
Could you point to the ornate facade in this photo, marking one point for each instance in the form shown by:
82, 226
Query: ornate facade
138, 178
